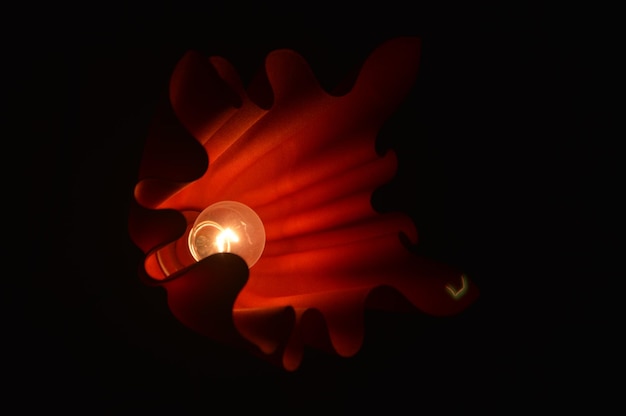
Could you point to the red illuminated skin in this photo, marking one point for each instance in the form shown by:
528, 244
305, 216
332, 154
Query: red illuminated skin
307, 166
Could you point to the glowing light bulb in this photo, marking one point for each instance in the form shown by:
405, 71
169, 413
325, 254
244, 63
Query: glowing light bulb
228, 227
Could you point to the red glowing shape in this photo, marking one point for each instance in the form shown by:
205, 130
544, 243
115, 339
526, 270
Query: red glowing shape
305, 161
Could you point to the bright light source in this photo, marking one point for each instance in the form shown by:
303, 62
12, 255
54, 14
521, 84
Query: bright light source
228, 227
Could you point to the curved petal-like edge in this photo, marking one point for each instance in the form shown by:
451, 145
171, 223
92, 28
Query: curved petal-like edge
204, 295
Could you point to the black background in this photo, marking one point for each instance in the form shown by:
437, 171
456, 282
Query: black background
503, 167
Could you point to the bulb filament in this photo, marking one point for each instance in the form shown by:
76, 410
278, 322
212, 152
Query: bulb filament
224, 238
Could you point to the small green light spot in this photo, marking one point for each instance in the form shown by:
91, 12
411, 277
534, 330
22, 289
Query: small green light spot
456, 294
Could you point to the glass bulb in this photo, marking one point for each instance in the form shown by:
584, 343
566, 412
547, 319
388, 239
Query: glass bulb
228, 227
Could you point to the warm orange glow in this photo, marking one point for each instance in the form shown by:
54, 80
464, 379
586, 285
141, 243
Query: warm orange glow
307, 166
227, 227
224, 238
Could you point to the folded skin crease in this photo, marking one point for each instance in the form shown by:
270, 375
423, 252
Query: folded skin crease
308, 167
